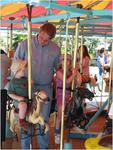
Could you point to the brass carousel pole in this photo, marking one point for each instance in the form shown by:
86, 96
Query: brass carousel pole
105, 46
75, 49
29, 10
7, 40
64, 88
76, 41
81, 52
10, 37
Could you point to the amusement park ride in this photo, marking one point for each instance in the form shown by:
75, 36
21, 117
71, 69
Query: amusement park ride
78, 18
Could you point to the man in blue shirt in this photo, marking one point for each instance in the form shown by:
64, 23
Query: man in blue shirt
45, 60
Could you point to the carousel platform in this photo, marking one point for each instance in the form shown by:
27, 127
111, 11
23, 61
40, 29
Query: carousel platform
77, 143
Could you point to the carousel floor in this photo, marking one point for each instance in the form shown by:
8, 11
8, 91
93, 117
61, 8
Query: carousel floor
77, 144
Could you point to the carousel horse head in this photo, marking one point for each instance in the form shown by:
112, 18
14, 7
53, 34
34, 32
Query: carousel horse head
35, 115
82, 93
41, 96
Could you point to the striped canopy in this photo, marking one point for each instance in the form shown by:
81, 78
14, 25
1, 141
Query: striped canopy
95, 16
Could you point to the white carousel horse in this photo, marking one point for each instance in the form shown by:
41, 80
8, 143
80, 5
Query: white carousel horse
34, 114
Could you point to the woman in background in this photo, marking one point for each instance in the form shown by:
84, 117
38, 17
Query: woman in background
85, 63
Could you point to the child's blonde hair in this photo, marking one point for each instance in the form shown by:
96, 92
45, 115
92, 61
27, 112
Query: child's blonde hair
17, 65
69, 58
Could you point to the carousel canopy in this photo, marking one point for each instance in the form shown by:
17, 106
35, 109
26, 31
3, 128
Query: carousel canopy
95, 16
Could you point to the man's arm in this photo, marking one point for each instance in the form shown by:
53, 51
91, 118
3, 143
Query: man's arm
21, 51
57, 59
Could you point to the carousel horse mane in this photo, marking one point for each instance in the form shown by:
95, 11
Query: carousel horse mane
33, 106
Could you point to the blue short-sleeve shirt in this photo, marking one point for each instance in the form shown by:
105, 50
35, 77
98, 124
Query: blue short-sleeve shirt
45, 59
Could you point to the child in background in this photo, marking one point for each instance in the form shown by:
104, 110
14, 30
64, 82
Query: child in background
18, 90
70, 74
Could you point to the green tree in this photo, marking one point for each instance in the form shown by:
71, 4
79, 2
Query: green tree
2, 43
17, 39
92, 44
110, 47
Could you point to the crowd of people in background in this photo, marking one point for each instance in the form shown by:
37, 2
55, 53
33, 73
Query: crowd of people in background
103, 61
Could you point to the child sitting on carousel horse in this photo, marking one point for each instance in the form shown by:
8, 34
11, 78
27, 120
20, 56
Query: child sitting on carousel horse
18, 90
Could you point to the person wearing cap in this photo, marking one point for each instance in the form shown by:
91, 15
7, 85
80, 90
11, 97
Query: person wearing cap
70, 74
45, 60
18, 90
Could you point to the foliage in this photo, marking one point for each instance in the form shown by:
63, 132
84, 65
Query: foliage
61, 41
110, 44
17, 39
92, 44
110, 47
2, 43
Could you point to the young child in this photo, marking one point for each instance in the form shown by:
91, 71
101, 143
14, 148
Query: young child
18, 90
70, 74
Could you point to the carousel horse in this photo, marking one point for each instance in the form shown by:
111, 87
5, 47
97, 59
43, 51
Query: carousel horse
34, 112
75, 108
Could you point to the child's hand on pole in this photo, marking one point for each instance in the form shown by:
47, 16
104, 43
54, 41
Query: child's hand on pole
74, 71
